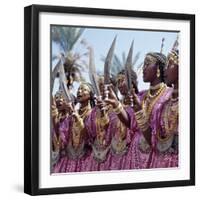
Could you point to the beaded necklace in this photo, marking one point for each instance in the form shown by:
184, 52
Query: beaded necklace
170, 119
150, 100
76, 132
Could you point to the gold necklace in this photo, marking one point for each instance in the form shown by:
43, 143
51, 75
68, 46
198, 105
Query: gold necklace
170, 118
155, 87
100, 130
157, 93
148, 108
85, 111
76, 132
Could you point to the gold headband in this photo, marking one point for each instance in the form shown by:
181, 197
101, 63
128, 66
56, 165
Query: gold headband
85, 86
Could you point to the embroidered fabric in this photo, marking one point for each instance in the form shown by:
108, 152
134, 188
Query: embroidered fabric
99, 152
54, 157
168, 146
73, 153
118, 147
143, 145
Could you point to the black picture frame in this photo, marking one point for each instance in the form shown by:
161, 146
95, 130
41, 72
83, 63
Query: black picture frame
31, 98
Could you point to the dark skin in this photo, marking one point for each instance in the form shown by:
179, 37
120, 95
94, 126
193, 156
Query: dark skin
149, 75
83, 97
171, 76
150, 72
122, 86
121, 83
60, 104
123, 116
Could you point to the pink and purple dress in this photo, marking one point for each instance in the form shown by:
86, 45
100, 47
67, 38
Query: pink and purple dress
71, 159
99, 159
113, 153
121, 147
165, 152
144, 153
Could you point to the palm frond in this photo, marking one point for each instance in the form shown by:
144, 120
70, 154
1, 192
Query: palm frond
66, 37
78, 33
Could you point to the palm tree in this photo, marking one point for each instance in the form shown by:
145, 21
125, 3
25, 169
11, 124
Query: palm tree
118, 64
66, 38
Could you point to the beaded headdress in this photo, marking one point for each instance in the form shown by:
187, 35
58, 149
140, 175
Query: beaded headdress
156, 56
89, 86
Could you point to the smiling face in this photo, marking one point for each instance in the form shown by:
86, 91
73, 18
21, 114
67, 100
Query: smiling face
149, 69
171, 71
83, 93
121, 84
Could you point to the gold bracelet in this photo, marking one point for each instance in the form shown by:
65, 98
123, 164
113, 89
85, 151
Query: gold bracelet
144, 127
118, 109
54, 113
141, 120
139, 113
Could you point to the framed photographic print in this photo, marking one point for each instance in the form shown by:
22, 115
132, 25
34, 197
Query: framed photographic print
102, 106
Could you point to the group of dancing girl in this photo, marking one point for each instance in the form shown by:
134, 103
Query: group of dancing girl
137, 131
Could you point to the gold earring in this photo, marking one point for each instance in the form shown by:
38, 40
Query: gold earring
158, 73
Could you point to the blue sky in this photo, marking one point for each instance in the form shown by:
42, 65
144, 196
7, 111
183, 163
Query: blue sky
144, 42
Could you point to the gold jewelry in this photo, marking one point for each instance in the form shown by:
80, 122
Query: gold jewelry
100, 129
118, 109
158, 73
84, 86
85, 111
173, 57
79, 123
104, 121
142, 121
150, 59
151, 100
170, 118
54, 111
156, 87
162, 86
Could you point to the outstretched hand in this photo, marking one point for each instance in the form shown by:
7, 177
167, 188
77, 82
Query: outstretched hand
136, 102
112, 99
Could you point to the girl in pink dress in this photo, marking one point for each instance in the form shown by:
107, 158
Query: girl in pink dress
147, 108
122, 135
166, 142
75, 150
